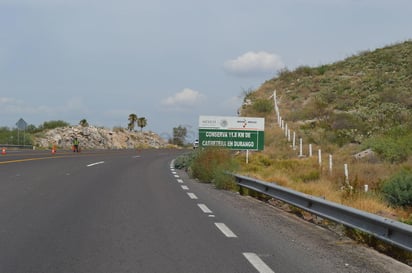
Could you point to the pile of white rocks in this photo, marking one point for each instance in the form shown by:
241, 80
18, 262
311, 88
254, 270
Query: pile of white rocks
98, 138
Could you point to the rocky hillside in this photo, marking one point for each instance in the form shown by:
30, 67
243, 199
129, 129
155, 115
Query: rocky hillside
98, 138
364, 99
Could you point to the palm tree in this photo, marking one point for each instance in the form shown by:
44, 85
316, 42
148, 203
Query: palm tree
142, 122
132, 120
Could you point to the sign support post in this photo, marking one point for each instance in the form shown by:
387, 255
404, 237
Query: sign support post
21, 125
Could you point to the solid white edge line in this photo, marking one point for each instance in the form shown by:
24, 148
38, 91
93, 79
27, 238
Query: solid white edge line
257, 263
225, 230
204, 208
96, 163
192, 195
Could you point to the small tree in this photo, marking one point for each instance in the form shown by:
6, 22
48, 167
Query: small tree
142, 122
179, 135
84, 123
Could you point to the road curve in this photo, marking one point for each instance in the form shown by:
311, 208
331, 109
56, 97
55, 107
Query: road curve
131, 211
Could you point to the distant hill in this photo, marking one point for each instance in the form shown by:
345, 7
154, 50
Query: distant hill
362, 99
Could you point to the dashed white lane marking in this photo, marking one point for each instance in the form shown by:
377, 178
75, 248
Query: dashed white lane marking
176, 176
185, 187
257, 263
225, 230
192, 195
179, 180
96, 163
204, 208
136, 156
173, 172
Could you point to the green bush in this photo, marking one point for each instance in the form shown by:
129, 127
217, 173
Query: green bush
223, 180
393, 149
263, 106
398, 189
53, 124
184, 161
322, 69
210, 166
304, 71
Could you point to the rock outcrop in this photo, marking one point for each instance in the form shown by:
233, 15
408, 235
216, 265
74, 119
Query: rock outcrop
98, 138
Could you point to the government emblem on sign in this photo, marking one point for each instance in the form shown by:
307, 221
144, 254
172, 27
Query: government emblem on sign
223, 123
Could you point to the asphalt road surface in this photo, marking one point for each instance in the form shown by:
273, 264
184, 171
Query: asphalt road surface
131, 211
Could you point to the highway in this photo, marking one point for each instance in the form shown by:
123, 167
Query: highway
131, 211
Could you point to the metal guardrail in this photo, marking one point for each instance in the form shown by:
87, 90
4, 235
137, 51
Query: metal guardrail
388, 230
13, 146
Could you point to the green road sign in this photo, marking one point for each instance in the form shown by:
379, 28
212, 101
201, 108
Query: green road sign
237, 140
237, 133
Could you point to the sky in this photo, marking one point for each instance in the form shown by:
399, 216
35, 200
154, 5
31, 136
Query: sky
171, 61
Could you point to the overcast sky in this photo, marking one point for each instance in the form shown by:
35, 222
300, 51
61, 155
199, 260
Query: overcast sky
171, 61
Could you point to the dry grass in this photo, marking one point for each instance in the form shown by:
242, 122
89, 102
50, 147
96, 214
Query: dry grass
280, 164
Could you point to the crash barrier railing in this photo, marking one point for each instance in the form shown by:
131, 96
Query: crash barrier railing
13, 146
388, 230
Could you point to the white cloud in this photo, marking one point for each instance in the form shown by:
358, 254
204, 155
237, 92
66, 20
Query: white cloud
254, 64
185, 98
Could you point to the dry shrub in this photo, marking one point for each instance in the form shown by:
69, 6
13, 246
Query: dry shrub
305, 175
278, 178
321, 188
370, 174
371, 203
